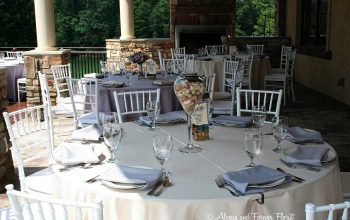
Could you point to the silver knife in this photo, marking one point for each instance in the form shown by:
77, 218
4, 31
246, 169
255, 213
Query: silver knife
156, 186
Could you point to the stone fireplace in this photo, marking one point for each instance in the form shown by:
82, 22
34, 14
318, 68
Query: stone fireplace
196, 23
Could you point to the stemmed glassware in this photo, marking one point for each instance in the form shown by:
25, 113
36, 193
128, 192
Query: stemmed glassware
162, 147
252, 144
153, 111
111, 134
128, 75
279, 129
258, 116
189, 89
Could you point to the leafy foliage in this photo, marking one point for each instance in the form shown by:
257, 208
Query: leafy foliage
89, 22
255, 17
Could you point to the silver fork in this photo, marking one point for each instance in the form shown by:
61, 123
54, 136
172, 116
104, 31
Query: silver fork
220, 182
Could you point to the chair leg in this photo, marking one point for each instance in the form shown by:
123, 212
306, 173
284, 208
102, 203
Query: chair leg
18, 98
292, 86
284, 93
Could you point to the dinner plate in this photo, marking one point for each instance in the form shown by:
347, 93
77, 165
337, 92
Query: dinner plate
123, 185
330, 156
268, 185
112, 84
163, 82
9, 58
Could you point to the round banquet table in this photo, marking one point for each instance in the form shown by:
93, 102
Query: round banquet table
15, 70
194, 194
168, 99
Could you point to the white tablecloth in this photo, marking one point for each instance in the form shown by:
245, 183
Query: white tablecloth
15, 70
194, 194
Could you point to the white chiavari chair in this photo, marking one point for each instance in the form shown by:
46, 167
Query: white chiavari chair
255, 49
282, 80
247, 98
178, 53
175, 65
246, 60
209, 82
230, 68
227, 107
311, 210
61, 110
134, 102
27, 206
24, 127
87, 106
16, 54
219, 49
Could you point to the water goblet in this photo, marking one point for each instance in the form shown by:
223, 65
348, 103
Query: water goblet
128, 75
111, 134
258, 116
162, 147
252, 144
153, 110
279, 129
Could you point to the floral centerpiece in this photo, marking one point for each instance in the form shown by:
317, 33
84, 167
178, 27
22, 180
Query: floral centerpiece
139, 58
226, 40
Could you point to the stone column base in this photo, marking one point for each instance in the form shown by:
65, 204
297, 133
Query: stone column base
46, 59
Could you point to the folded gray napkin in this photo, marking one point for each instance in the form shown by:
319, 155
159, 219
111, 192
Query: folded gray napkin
89, 133
74, 153
301, 135
131, 175
237, 121
310, 155
168, 118
255, 179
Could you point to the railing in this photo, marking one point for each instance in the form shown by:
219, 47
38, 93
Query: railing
86, 60
83, 59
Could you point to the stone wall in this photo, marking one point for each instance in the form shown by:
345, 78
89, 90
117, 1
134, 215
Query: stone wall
272, 46
7, 171
124, 48
46, 60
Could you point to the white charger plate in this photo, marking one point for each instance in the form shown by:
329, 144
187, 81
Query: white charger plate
123, 185
269, 185
331, 155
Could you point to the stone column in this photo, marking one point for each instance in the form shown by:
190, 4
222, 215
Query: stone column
126, 8
45, 25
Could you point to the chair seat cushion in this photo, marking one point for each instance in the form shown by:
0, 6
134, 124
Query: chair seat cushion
221, 95
89, 119
222, 107
22, 80
277, 70
78, 101
40, 182
275, 77
62, 109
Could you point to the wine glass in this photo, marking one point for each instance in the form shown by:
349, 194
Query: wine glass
252, 143
153, 110
279, 129
128, 75
162, 147
258, 116
111, 134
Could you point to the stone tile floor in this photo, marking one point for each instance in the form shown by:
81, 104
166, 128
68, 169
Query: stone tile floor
311, 110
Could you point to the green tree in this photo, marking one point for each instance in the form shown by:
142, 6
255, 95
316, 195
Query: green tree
255, 17
17, 23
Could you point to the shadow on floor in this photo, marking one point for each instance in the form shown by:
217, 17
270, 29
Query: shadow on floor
316, 111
